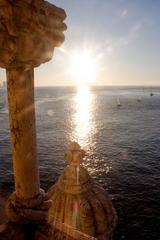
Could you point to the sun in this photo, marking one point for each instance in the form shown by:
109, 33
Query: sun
83, 67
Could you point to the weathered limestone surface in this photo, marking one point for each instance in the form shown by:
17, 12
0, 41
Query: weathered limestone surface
29, 32
23, 132
78, 201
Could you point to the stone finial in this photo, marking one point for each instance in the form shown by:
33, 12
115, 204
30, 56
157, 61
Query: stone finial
29, 31
75, 154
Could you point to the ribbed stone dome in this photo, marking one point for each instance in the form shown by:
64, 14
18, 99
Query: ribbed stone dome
80, 202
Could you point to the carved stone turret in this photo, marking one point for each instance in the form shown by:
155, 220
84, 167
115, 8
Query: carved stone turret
78, 201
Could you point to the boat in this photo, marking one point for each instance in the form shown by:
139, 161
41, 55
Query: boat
151, 93
139, 99
118, 103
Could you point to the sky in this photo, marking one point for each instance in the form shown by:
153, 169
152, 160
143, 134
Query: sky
122, 35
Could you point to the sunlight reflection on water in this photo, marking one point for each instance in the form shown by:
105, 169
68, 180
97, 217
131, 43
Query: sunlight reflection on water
83, 116
122, 148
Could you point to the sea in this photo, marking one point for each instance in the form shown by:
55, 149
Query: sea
119, 128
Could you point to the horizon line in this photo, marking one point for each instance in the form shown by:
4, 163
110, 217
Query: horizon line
156, 85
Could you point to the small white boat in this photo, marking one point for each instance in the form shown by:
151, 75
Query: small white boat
118, 103
151, 93
139, 100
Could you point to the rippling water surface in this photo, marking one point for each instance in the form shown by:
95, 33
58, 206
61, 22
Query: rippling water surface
122, 144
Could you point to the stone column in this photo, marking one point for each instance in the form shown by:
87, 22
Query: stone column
23, 131
29, 32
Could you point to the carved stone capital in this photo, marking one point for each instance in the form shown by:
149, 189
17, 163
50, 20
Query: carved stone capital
29, 31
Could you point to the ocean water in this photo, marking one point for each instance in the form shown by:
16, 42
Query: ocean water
122, 145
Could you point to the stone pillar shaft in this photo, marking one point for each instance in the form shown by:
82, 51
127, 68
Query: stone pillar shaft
20, 85
29, 32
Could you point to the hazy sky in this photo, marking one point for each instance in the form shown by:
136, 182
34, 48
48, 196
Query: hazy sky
124, 35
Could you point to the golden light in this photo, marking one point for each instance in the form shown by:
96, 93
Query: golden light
83, 115
83, 118
83, 67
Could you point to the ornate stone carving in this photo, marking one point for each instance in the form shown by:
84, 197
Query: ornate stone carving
29, 31
78, 201
23, 211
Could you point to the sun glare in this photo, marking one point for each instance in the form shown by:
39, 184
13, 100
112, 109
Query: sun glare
83, 68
